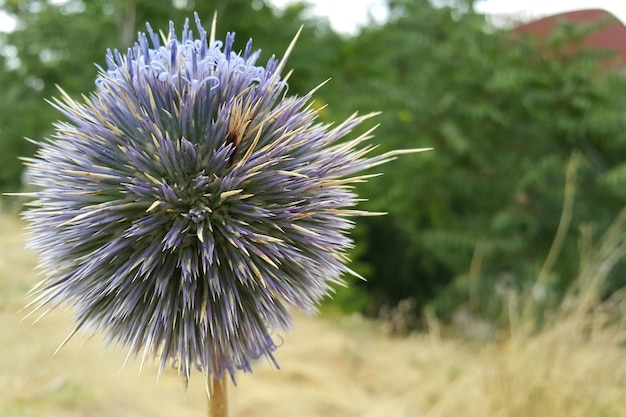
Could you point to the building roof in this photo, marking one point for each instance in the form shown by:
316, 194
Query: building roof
610, 36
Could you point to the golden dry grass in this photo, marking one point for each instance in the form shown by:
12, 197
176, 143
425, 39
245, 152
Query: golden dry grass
330, 367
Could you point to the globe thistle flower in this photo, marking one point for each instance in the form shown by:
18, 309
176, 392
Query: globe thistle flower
188, 200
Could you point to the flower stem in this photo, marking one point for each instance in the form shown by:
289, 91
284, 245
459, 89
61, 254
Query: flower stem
218, 403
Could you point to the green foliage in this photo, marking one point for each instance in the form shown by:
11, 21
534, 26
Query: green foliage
503, 113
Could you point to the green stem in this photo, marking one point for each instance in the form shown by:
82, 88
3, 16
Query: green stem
218, 403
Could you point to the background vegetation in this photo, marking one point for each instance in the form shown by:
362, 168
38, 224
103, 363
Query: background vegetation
469, 223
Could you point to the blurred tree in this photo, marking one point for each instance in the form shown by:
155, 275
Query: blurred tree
503, 114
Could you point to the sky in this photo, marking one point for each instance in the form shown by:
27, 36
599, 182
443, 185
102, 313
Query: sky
6, 23
347, 15
538, 8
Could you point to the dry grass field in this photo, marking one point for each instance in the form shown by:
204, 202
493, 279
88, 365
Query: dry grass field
329, 367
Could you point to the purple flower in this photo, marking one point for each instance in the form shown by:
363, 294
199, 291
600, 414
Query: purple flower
188, 201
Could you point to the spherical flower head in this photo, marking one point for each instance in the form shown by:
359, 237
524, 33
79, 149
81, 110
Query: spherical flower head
188, 201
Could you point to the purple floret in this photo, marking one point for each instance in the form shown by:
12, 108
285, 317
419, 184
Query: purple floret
188, 201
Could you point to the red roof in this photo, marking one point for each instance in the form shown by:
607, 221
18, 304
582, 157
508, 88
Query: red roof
609, 36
